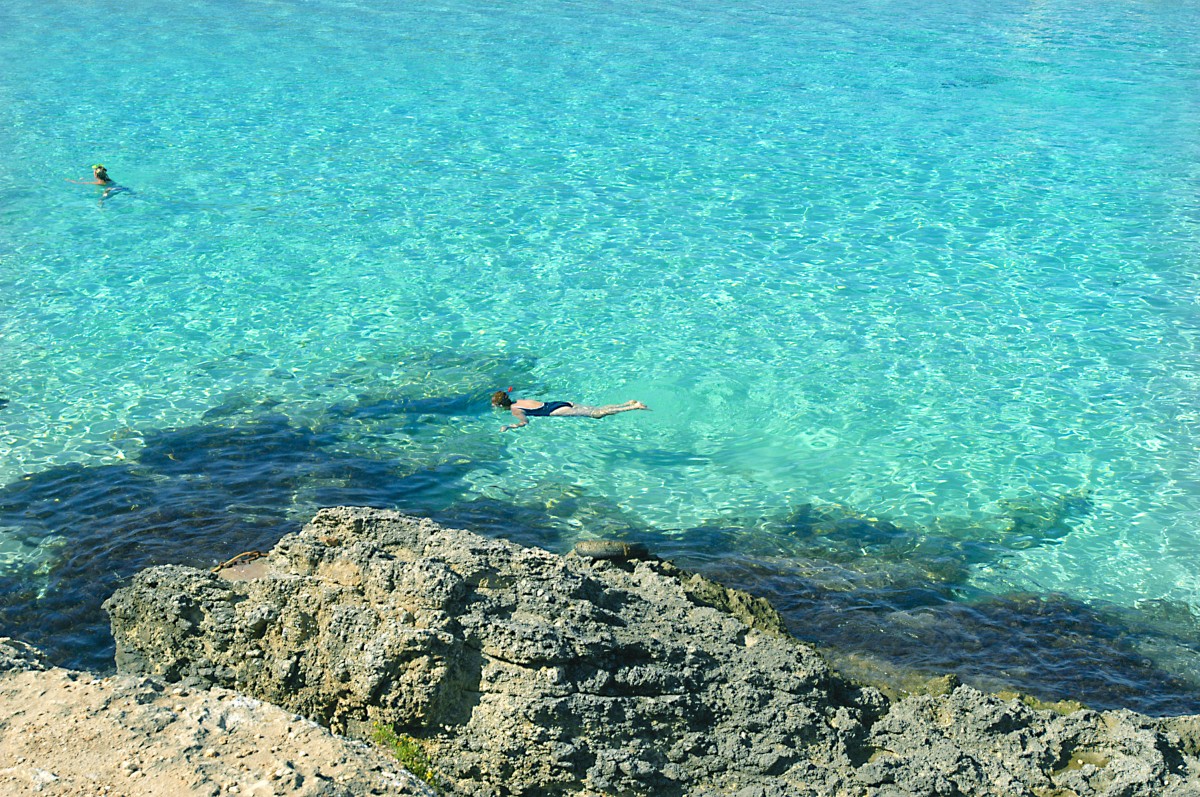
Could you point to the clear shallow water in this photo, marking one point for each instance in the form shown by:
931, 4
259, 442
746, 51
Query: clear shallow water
933, 263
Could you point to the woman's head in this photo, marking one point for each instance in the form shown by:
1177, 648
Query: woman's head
100, 172
501, 399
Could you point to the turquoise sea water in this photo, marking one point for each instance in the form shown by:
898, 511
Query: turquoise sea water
934, 265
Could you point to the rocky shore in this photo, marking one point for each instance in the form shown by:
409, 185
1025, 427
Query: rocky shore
72, 734
518, 672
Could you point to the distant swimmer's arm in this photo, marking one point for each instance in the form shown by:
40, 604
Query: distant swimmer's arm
520, 416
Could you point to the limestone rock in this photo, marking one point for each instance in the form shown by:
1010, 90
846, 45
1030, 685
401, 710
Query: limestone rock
70, 733
526, 673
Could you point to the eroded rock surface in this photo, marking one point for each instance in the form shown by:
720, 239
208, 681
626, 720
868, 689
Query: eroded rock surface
526, 673
72, 734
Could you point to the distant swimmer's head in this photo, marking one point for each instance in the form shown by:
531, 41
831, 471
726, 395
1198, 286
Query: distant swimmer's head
100, 172
501, 399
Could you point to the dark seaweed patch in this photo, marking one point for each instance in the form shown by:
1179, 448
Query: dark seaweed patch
907, 614
387, 408
193, 496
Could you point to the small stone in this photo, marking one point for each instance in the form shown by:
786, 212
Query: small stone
41, 777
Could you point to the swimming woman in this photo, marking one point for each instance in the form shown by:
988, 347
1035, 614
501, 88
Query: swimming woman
100, 177
523, 409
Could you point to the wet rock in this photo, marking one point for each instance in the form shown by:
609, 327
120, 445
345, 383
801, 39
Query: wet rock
611, 549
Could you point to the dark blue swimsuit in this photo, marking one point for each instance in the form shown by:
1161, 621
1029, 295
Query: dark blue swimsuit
546, 409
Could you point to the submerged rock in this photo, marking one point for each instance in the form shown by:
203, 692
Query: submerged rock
526, 673
611, 549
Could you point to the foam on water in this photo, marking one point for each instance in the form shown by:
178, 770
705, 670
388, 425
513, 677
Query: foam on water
930, 261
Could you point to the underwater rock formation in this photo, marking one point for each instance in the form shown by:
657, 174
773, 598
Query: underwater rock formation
525, 673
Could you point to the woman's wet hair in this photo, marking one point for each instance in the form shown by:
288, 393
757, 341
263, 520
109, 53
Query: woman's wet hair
500, 399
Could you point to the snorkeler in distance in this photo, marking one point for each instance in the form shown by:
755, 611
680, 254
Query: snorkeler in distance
100, 177
523, 409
